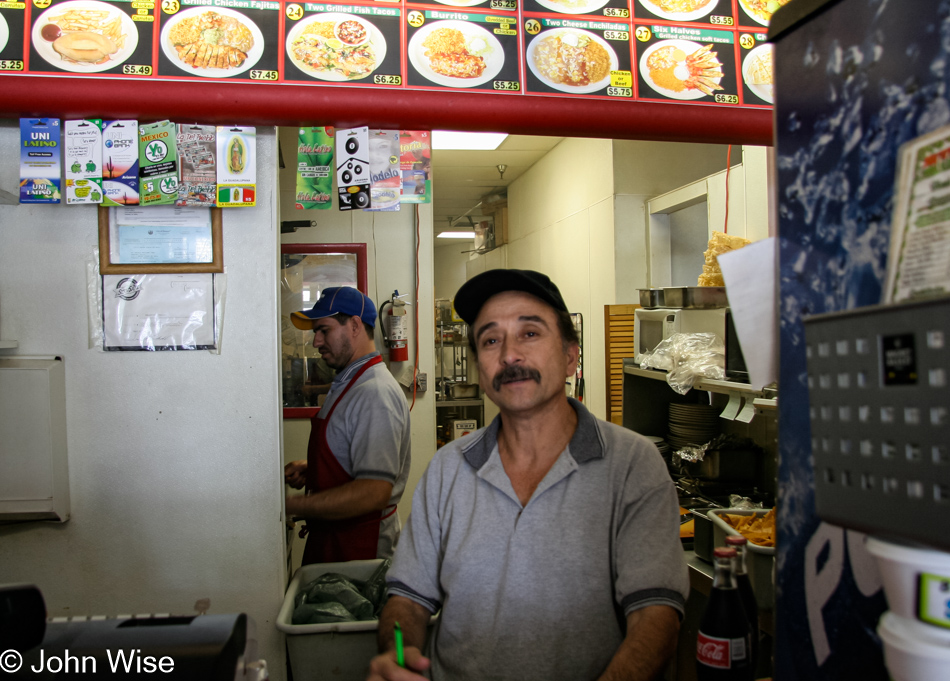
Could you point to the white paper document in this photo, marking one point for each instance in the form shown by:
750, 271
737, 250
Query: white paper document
158, 312
751, 278
919, 256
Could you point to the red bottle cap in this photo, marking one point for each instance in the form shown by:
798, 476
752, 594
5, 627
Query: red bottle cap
724, 552
735, 540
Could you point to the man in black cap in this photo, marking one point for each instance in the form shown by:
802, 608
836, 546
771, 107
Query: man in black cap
358, 456
548, 540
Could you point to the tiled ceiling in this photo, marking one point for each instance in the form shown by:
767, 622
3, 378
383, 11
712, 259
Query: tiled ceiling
461, 178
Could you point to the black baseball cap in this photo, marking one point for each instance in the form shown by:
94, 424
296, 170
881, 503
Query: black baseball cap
477, 290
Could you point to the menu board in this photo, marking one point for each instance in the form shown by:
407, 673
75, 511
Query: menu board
710, 52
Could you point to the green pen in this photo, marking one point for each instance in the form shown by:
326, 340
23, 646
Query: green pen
397, 634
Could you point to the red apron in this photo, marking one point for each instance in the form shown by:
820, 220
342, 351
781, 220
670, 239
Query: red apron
331, 541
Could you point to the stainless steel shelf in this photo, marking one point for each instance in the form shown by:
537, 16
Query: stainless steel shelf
711, 385
458, 403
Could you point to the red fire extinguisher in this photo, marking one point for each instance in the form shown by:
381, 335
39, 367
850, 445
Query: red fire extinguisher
397, 321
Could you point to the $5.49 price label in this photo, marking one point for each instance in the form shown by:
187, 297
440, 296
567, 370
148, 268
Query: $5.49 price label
136, 70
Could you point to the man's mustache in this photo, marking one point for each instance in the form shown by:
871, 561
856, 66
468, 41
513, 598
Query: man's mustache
515, 372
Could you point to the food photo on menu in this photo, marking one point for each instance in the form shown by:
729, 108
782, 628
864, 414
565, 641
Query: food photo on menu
606, 8
360, 44
217, 42
87, 36
759, 11
578, 60
11, 38
700, 67
757, 74
718, 12
479, 51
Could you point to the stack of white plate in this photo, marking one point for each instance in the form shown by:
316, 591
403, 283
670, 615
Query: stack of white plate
661, 444
692, 425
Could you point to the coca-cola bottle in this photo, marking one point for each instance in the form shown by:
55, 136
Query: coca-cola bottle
723, 645
744, 584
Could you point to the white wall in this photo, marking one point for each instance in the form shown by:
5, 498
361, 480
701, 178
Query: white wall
449, 265
174, 459
390, 239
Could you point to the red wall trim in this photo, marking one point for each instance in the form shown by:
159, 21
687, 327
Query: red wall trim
265, 104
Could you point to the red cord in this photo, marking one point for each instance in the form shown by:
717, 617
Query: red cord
725, 227
415, 366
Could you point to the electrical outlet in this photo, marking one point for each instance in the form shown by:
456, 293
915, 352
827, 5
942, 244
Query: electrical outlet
422, 381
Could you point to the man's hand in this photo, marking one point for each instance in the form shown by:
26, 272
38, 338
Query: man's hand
384, 668
295, 473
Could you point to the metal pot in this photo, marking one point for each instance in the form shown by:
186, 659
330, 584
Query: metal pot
651, 297
463, 391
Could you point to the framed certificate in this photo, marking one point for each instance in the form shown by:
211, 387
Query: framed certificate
160, 240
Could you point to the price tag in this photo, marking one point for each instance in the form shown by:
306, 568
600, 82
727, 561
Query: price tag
11, 65
727, 99
934, 603
387, 80
503, 4
137, 69
263, 75
619, 92
621, 78
511, 85
616, 12
721, 21
617, 35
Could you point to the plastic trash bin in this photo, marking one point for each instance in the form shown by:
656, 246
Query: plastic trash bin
340, 651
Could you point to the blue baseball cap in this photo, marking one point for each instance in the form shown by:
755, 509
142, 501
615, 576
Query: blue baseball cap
336, 300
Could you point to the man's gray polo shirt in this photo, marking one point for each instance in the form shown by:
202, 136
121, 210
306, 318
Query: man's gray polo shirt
540, 592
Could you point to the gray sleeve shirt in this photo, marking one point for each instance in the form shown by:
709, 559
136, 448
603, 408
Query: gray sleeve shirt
540, 591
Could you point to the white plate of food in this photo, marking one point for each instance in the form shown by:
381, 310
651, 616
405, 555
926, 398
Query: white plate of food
84, 36
757, 71
759, 9
212, 42
456, 53
681, 10
550, 53
573, 6
4, 32
335, 46
681, 69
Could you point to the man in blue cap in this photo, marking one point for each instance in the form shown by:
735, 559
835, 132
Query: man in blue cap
358, 456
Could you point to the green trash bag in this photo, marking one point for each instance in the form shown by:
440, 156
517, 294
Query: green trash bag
321, 613
374, 590
333, 587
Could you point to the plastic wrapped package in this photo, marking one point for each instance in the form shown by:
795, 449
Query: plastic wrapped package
686, 357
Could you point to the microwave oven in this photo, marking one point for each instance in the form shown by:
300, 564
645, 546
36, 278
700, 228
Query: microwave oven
651, 326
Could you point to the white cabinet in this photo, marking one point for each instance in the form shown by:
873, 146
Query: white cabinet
34, 475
